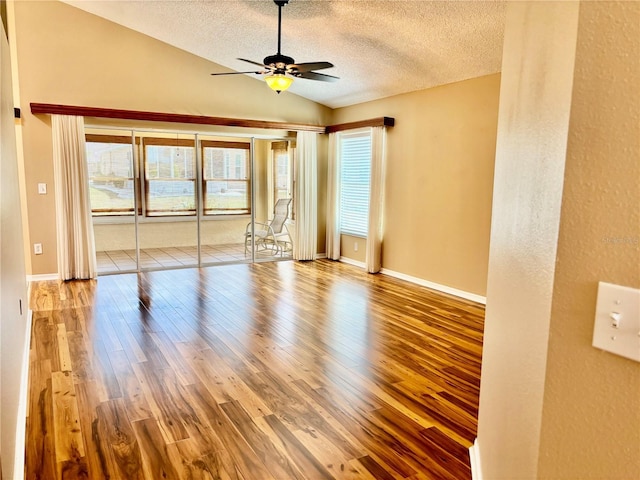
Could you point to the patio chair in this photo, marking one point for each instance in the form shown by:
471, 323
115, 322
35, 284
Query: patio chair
273, 236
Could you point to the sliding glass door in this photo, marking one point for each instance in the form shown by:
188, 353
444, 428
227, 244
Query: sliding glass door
113, 180
173, 200
168, 215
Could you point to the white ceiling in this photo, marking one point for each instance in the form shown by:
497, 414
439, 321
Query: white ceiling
379, 47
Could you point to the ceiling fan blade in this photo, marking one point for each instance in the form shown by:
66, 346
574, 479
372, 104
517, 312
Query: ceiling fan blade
254, 63
317, 76
307, 67
236, 73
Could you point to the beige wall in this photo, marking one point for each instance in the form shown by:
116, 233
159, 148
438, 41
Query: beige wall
535, 100
71, 57
439, 180
14, 324
567, 183
121, 236
591, 415
353, 248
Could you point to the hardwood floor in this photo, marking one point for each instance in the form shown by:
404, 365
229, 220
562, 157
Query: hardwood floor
285, 370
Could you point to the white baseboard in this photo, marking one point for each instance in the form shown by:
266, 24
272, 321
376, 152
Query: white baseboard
436, 286
43, 277
18, 473
320, 256
355, 263
474, 455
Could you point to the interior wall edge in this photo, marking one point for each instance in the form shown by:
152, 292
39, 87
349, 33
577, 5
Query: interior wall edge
21, 427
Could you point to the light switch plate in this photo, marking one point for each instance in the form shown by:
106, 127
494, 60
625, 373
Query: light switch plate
617, 325
42, 188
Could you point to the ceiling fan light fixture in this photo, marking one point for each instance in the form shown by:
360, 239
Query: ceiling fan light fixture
278, 82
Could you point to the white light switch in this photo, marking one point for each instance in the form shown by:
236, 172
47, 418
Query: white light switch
617, 326
42, 188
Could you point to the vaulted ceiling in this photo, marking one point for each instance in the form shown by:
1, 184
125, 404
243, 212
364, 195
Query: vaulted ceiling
379, 47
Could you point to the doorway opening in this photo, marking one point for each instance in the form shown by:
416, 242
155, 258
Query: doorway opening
164, 199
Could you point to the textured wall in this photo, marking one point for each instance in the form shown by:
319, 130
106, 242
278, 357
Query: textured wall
591, 417
439, 181
14, 328
533, 125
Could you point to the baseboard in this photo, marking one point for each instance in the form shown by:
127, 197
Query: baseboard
474, 456
43, 277
21, 432
355, 263
436, 286
320, 256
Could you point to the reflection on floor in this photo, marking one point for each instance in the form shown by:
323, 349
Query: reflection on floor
171, 257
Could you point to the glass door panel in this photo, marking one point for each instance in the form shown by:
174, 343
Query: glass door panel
168, 217
170, 200
273, 200
226, 199
113, 193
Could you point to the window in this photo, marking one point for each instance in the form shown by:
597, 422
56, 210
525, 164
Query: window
163, 174
226, 177
111, 179
170, 177
355, 178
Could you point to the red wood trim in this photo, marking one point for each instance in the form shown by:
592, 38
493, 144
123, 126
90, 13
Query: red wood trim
372, 122
98, 138
168, 142
48, 109
223, 144
279, 145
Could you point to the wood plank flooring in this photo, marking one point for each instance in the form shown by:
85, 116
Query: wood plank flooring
284, 370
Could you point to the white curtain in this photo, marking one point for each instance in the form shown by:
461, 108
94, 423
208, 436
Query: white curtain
333, 200
76, 248
306, 241
376, 202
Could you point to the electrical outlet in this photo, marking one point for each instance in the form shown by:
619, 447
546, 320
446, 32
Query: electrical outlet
37, 248
355, 246
42, 188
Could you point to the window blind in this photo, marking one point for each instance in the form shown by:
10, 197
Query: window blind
355, 178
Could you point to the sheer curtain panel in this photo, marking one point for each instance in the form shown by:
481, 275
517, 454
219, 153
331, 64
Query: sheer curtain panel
76, 248
376, 199
306, 242
333, 200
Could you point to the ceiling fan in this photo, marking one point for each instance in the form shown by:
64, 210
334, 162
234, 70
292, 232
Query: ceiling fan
280, 70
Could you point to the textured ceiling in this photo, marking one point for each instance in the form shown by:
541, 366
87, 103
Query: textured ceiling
379, 47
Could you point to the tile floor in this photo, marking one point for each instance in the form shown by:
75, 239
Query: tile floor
172, 257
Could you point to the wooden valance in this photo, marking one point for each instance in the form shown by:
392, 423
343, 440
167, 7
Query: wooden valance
373, 122
54, 109
47, 108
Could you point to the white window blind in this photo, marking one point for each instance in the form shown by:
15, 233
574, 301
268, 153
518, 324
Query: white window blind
355, 178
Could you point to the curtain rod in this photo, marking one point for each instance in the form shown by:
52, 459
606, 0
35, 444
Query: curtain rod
49, 109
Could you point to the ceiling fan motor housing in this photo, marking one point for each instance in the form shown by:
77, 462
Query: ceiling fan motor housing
281, 68
278, 61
